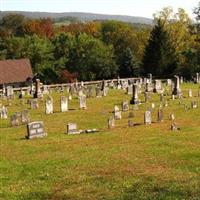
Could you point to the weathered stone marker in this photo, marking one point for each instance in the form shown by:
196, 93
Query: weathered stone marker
72, 129
25, 117
111, 122
83, 102
117, 113
147, 117
125, 106
38, 93
49, 105
64, 104
176, 89
134, 99
35, 130
3, 113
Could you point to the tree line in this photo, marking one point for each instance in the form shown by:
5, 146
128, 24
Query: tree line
104, 49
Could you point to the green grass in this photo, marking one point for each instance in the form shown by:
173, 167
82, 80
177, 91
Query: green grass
143, 162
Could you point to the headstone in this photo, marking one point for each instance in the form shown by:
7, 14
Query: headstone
147, 117
176, 89
83, 102
89, 92
130, 123
197, 78
98, 92
169, 82
34, 104
157, 86
153, 105
130, 89
49, 105
72, 129
174, 127
125, 106
147, 96
135, 99
194, 104
70, 97
15, 120
117, 113
9, 92
38, 93
4, 112
148, 87
35, 130
172, 117
25, 117
160, 115
64, 104
189, 93
111, 122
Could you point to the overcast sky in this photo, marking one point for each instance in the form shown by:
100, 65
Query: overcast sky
144, 8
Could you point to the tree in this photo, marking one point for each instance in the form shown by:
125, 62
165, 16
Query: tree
159, 58
128, 66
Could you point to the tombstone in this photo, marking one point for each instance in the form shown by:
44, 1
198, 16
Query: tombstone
173, 97
125, 106
98, 92
135, 99
174, 127
38, 93
130, 89
4, 112
161, 97
25, 117
176, 89
148, 87
45, 89
9, 92
72, 129
111, 122
147, 117
49, 105
172, 117
189, 93
15, 120
117, 113
153, 105
4, 90
149, 76
160, 115
197, 78
89, 91
181, 80
35, 130
130, 123
80, 92
118, 83
70, 97
169, 82
157, 86
83, 102
34, 104
64, 104
194, 104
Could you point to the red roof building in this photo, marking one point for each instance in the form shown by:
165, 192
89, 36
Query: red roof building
15, 72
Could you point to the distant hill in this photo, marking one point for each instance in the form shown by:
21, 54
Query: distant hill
84, 17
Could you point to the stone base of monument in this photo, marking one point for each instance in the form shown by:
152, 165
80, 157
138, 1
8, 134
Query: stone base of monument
134, 101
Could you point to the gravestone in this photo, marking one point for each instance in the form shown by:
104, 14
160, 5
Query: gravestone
169, 82
130, 89
38, 92
98, 92
70, 97
125, 106
160, 115
194, 104
117, 113
49, 105
72, 129
147, 117
15, 120
25, 117
4, 112
157, 86
153, 105
45, 89
130, 123
105, 91
174, 127
111, 122
89, 91
9, 92
83, 102
35, 130
34, 104
172, 117
189, 93
64, 104
148, 87
197, 78
176, 89
135, 99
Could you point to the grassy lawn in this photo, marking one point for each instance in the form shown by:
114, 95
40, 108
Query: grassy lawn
142, 162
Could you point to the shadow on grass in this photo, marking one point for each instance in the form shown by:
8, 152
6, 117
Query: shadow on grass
150, 188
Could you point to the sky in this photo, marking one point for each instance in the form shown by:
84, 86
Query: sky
143, 8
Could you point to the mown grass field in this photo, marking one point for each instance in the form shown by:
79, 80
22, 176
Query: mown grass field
143, 162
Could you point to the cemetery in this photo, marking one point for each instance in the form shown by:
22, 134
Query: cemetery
101, 139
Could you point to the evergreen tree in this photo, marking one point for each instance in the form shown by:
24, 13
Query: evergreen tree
159, 57
128, 65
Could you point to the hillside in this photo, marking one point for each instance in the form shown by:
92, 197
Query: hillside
82, 16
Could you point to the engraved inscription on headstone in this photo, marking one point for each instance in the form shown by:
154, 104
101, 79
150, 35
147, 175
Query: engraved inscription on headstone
35, 130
